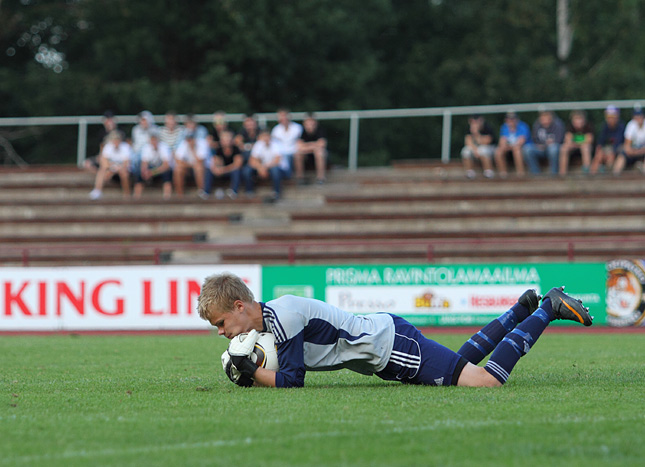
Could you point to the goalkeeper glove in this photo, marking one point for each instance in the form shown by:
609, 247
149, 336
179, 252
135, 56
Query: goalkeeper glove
240, 350
233, 373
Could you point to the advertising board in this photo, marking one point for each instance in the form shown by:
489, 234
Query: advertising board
109, 298
469, 294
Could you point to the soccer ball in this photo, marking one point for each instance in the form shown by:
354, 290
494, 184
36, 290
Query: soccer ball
265, 353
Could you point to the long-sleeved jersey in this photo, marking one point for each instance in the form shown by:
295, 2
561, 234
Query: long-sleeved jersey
313, 335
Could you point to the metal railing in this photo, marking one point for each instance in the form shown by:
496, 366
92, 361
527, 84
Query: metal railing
352, 116
292, 252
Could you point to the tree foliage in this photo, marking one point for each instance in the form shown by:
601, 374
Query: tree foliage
79, 57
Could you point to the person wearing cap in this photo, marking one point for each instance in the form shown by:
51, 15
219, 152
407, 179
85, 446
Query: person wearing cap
479, 143
115, 159
190, 155
513, 135
546, 137
634, 148
610, 140
156, 157
577, 140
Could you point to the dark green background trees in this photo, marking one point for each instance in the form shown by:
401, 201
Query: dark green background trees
253, 56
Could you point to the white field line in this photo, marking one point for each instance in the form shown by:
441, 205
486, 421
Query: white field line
438, 425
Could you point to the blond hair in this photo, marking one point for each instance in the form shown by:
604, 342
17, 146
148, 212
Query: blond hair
219, 292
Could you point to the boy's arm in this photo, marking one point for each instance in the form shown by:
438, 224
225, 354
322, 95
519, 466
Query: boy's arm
264, 377
292, 366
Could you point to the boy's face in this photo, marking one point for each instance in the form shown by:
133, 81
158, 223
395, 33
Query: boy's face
226, 139
249, 124
578, 121
545, 119
283, 118
310, 125
232, 323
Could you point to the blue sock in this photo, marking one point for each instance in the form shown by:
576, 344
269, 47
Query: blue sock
518, 342
484, 342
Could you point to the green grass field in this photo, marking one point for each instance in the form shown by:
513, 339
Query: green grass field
164, 400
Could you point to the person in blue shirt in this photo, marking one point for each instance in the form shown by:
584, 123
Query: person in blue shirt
513, 135
311, 335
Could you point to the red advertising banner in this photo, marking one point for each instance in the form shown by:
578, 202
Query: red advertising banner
109, 298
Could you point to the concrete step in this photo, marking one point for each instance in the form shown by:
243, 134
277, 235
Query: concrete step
425, 226
315, 209
117, 228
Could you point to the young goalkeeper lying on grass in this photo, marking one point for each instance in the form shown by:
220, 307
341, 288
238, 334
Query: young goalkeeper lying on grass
315, 336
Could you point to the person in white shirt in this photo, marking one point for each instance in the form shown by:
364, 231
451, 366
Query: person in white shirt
286, 135
266, 161
156, 157
141, 136
115, 159
634, 148
191, 154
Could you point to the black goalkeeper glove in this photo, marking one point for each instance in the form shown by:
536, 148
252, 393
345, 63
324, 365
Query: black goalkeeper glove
234, 374
240, 350
244, 365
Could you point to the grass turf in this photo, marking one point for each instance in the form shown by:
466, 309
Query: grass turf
164, 400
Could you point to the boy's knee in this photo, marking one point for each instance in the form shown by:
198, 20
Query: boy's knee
476, 376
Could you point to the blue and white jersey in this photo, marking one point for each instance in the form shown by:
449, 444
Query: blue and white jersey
313, 335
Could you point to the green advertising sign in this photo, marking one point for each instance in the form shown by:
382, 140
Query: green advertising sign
436, 294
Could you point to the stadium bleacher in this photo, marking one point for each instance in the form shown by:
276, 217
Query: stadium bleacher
412, 212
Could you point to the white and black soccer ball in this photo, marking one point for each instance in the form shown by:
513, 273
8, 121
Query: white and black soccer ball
264, 355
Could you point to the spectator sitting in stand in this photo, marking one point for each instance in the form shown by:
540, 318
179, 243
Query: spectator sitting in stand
226, 161
191, 154
156, 157
547, 136
219, 126
514, 134
634, 149
286, 134
610, 140
115, 159
191, 126
479, 143
247, 136
312, 141
109, 125
171, 134
266, 161
141, 137
577, 140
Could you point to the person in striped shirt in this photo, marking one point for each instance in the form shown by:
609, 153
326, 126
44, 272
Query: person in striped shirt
312, 335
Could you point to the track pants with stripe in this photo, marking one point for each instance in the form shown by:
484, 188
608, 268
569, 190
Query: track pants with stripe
416, 359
